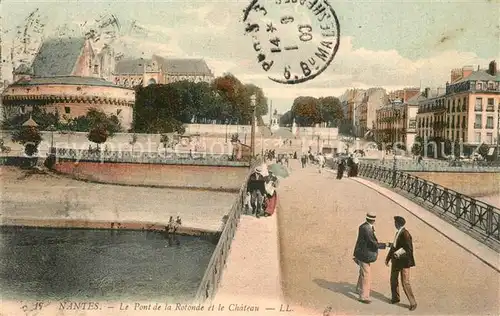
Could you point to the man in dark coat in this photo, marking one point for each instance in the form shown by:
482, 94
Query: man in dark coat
365, 253
401, 257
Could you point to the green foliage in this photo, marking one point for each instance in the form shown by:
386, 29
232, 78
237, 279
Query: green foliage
98, 134
309, 111
39, 115
306, 111
29, 137
165, 108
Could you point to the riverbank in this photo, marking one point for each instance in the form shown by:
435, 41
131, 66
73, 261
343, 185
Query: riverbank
20, 223
29, 196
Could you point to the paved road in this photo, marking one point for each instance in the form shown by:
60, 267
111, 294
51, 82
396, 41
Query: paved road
318, 222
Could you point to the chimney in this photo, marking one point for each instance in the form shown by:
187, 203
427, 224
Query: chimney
492, 69
426, 92
466, 71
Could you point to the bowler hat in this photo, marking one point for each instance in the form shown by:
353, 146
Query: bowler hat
370, 216
399, 220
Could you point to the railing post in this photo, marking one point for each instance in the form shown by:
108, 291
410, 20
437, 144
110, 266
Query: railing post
489, 220
394, 173
434, 194
458, 204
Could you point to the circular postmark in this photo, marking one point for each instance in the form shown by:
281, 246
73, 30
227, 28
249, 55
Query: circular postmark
294, 40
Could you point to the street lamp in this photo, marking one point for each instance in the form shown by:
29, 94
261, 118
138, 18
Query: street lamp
51, 128
253, 98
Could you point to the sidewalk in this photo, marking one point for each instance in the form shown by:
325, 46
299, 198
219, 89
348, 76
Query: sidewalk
318, 226
476, 248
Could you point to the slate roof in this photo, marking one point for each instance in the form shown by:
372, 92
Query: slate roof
482, 75
22, 69
66, 80
188, 66
414, 100
131, 66
57, 57
184, 65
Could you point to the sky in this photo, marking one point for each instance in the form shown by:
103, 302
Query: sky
390, 44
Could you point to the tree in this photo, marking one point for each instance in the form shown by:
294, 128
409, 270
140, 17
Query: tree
306, 112
286, 119
260, 100
29, 137
43, 118
331, 109
98, 134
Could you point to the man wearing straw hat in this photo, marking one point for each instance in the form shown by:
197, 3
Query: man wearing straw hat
365, 253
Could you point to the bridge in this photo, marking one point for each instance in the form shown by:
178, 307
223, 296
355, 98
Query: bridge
301, 259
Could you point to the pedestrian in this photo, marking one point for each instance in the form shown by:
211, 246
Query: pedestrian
321, 162
355, 166
303, 159
350, 164
340, 169
366, 253
401, 257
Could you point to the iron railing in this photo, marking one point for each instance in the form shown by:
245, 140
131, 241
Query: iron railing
213, 274
148, 157
481, 217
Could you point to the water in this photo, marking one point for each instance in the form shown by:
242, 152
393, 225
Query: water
99, 265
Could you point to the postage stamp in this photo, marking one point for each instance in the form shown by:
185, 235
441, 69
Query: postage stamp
294, 40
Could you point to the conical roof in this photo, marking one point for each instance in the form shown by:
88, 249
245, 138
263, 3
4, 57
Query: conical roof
30, 122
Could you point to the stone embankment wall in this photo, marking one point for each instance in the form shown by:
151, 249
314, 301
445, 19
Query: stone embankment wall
156, 175
471, 183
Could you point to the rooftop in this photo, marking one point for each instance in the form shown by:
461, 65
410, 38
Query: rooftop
482, 75
66, 80
169, 65
57, 57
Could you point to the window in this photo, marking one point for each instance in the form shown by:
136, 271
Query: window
463, 137
491, 85
479, 105
479, 86
96, 69
478, 121
477, 137
490, 106
489, 138
458, 135
489, 122
67, 109
458, 122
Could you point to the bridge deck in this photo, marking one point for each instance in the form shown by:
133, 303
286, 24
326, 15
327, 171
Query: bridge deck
318, 221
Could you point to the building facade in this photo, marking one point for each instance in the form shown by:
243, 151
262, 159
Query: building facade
472, 104
431, 115
466, 111
68, 77
373, 99
396, 122
159, 70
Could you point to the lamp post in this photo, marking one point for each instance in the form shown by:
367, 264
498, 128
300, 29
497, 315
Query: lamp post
51, 128
252, 140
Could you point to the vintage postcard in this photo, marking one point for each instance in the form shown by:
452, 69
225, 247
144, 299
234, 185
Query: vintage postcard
249, 157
